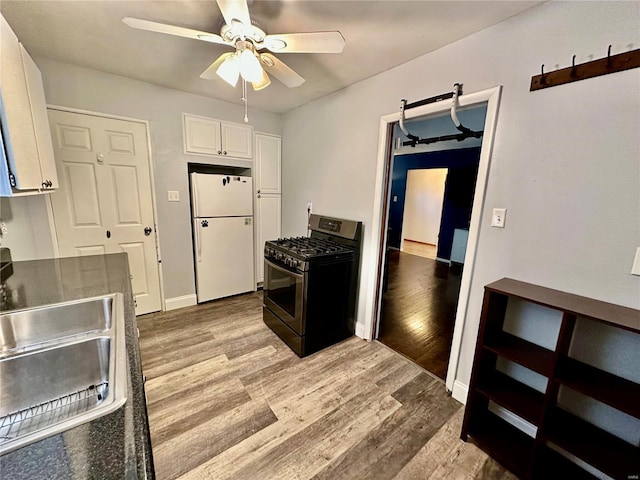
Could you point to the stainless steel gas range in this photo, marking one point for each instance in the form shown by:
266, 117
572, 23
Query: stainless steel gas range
311, 284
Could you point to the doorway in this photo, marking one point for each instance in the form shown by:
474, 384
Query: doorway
104, 203
431, 200
378, 241
423, 211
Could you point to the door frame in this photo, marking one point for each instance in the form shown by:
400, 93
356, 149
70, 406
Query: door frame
52, 225
377, 246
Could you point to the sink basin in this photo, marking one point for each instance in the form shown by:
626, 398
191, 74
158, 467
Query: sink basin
22, 329
60, 366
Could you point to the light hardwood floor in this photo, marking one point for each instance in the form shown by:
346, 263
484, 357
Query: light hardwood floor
228, 400
421, 249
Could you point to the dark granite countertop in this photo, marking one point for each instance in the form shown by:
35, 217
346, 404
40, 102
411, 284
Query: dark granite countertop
115, 446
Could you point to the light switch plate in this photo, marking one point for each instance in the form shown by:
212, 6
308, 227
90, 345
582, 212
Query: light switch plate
498, 217
173, 195
635, 269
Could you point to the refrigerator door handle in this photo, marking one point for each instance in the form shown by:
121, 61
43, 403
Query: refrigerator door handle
198, 244
194, 189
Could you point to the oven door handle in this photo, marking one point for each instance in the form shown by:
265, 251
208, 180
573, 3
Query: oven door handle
284, 270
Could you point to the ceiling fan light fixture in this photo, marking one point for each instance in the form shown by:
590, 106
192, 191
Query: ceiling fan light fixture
250, 67
229, 71
264, 82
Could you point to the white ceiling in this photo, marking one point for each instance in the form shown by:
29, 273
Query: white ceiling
379, 35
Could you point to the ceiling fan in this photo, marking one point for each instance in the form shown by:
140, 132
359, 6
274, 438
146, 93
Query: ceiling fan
251, 59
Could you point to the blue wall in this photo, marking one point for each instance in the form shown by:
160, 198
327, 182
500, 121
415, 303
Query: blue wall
458, 192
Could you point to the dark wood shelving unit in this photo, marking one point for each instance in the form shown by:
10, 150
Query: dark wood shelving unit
560, 437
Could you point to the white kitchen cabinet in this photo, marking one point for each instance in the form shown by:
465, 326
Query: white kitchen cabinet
30, 164
268, 163
268, 215
208, 136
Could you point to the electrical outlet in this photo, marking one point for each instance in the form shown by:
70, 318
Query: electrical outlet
635, 269
309, 206
173, 195
3, 228
498, 217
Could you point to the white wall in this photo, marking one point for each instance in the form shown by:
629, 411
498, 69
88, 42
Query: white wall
423, 205
86, 89
28, 234
566, 160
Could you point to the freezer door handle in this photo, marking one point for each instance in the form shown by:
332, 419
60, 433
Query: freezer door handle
194, 190
198, 245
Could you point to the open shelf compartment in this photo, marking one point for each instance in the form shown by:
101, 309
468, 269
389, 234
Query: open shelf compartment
551, 464
513, 395
508, 445
520, 351
604, 451
606, 387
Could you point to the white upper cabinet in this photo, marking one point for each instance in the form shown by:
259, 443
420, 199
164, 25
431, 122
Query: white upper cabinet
268, 163
30, 164
208, 136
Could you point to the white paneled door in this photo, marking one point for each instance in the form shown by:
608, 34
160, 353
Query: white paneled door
104, 202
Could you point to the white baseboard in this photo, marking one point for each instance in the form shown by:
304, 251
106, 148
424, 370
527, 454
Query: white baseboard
360, 330
513, 419
180, 302
460, 391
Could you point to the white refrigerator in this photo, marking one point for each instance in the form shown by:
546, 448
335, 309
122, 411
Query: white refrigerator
222, 207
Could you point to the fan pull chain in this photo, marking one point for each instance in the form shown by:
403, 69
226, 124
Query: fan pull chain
244, 99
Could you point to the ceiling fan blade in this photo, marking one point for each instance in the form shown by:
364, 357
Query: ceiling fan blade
235, 10
210, 72
312, 42
279, 70
173, 30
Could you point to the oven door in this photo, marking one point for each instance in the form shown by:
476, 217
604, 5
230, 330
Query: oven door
284, 293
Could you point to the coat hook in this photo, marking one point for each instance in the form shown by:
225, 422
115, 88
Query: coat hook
573, 66
543, 79
609, 57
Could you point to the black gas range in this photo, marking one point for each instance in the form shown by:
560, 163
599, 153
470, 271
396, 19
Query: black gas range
311, 283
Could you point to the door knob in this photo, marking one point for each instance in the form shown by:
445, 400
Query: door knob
147, 231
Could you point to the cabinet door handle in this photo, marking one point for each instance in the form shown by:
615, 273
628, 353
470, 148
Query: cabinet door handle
258, 191
108, 234
49, 183
225, 152
219, 152
44, 184
258, 195
147, 231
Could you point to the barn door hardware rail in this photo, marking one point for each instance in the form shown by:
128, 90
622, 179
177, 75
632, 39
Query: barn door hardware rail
465, 132
594, 68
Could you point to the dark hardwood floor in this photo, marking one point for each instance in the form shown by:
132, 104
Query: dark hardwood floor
419, 310
228, 400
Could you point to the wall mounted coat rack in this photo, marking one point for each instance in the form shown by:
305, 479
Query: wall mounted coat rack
594, 68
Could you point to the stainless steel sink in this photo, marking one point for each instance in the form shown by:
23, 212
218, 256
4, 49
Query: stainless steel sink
60, 366
22, 329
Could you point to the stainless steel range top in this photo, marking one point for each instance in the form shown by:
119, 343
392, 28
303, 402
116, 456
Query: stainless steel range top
297, 252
